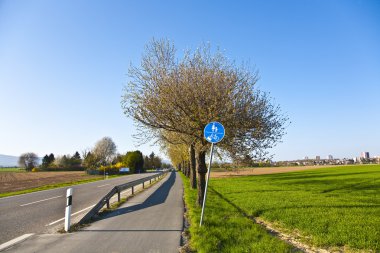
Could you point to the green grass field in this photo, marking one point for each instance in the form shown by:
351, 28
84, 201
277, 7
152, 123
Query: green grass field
225, 228
335, 208
12, 170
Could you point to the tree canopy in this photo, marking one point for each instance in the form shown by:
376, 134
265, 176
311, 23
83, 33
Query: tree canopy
104, 150
169, 95
134, 161
28, 161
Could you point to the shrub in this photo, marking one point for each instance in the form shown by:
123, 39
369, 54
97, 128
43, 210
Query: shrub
110, 169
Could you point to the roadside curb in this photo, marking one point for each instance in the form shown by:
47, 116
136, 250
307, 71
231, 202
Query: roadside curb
14, 241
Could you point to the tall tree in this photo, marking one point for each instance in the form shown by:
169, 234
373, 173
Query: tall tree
104, 150
182, 96
90, 161
157, 161
151, 160
147, 163
76, 160
51, 158
135, 161
45, 161
76, 156
28, 161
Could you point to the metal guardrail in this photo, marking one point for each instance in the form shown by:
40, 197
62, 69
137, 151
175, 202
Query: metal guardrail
118, 189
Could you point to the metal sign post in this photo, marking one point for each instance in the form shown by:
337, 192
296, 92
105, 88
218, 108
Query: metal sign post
214, 133
208, 176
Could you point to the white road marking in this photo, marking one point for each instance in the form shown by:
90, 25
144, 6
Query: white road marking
14, 241
54, 222
102, 185
41, 200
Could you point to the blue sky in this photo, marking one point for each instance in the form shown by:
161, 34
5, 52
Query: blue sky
63, 65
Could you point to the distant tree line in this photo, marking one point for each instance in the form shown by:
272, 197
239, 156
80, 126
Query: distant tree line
100, 159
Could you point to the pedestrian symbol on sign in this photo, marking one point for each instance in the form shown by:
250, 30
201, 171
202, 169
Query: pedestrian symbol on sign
214, 132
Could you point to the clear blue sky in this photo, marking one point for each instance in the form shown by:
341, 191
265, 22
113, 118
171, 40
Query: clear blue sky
63, 65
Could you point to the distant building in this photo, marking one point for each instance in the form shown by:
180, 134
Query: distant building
318, 158
330, 157
364, 155
306, 158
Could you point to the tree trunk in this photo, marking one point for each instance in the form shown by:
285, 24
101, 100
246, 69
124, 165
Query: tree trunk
202, 170
186, 168
193, 171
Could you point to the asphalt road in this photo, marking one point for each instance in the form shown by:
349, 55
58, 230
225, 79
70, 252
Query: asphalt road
42, 212
152, 221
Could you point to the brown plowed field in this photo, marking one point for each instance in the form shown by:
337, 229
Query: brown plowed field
16, 181
263, 171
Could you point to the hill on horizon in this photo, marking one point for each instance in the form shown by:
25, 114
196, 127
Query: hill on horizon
8, 161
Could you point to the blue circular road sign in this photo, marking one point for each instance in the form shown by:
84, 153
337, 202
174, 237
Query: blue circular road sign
214, 132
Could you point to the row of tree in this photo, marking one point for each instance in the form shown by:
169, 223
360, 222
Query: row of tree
65, 161
103, 156
172, 99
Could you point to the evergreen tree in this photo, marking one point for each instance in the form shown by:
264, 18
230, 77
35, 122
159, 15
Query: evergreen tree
76, 156
134, 161
76, 160
45, 161
51, 159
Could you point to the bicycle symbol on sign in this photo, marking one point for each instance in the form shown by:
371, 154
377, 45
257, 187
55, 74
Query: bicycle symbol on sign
213, 137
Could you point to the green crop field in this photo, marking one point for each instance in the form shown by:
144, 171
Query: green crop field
334, 208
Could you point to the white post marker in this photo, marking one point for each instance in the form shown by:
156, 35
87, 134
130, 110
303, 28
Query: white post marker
214, 133
69, 202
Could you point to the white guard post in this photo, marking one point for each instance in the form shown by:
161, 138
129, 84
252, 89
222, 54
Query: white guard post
69, 202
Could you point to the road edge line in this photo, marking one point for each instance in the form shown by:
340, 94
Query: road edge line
14, 241
80, 211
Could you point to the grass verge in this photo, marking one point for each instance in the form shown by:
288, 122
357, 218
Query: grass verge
225, 228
